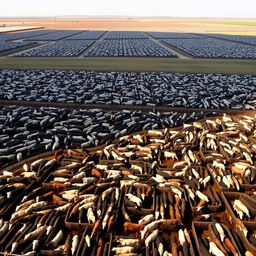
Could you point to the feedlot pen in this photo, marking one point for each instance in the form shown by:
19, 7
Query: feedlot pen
90, 43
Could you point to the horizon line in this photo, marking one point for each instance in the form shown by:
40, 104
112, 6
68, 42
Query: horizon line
119, 16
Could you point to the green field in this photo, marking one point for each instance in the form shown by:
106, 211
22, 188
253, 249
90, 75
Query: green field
134, 64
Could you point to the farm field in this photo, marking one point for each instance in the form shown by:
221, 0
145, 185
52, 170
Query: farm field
134, 64
242, 26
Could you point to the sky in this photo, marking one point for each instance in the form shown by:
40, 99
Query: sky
171, 8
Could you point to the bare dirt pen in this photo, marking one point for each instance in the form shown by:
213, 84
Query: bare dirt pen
237, 26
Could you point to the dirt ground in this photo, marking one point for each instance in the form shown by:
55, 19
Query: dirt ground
17, 28
226, 26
